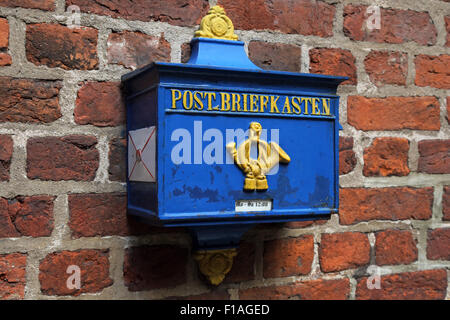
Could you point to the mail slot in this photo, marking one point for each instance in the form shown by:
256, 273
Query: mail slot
218, 144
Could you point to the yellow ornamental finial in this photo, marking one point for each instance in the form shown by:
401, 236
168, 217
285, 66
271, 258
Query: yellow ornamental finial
216, 25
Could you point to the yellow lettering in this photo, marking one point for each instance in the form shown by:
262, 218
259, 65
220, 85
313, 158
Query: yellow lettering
245, 101
287, 106
315, 107
198, 102
273, 104
191, 101
296, 105
225, 97
235, 102
253, 102
326, 106
175, 98
306, 104
264, 100
210, 95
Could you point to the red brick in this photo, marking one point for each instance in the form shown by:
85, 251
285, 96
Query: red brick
387, 67
94, 272
446, 203
397, 26
117, 159
341, 251
438, 244
347, 157
29, 4
5, 59
447, 26
30, 216
4, 32
100, 104
402, 203
298, 17
62, 158
54, 45
135, 49
433, 71
288, 257
6, 150
154, 267
12, 276
175, 12
185, 52
394, 247
304, 224
434, 156
275, 56
386, 157
306, 290
33, 101
419, 285
102, 214
243, 268
336, 62
393, 113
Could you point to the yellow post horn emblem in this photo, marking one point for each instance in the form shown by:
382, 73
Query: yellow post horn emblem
216, 25
255, 170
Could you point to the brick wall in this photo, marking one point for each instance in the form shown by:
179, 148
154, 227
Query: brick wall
62, 191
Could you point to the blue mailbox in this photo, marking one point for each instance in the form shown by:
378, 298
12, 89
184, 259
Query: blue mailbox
218, 145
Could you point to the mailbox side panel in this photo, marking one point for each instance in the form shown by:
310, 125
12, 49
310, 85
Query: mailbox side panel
142, 113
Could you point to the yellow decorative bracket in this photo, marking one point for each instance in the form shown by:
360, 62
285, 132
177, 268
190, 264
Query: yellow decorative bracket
215, 264
216, 25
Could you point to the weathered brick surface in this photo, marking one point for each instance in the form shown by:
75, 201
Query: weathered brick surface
4, 33
438, 244
387, 67
336, 62
447, 25
102, 214
446, 203
286, 16
176, 12
6, 150
341, 251
401, 203
304, 224
387, 157
94, 271
288, 257
420, 285
185, 52
30, 4
347, 157
434, 156
306, 290
117, 159
243, 265
100, 104
433, 71
5, 59
275, 56
30, 216
135, 49
397, 26
62, 158
27, 100
395, 247
54, 45
393, 113
12, 272
154, 267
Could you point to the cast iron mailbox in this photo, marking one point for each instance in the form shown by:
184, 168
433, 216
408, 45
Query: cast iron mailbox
218, 144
